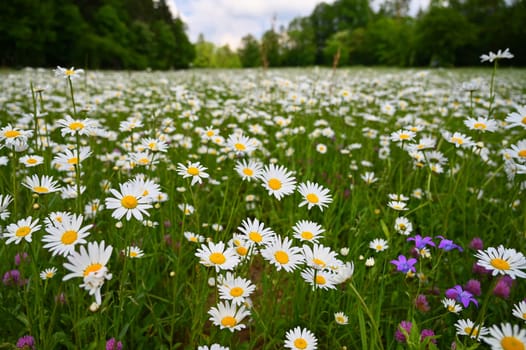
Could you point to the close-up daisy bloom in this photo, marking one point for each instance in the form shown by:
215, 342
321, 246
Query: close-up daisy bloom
481, 124
23, 229
48, 273
519, 310
249, 169
467, 327
73, 126
13, 136
66, 73
322, 279
235, 289
506, 337
128, 201
282, 254
403, 136
403, 226
31, 160
517, 118
502, 261
68, 159
61, 238
314, 195
300, 339
307, 231
451, 305
378, 245
278, 181
320, 257
256, 233
341, 318
228, 315
133, 252
241, 144
195, 171
458, 139
43, 185
217, 255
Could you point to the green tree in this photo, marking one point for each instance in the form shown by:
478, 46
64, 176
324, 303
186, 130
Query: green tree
270, 48
204, 53
338, 44
249, 52
226, 58
299, 47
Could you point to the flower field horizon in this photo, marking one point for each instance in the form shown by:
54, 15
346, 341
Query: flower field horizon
362, 208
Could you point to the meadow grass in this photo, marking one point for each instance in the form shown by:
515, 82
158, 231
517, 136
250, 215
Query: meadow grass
379, 142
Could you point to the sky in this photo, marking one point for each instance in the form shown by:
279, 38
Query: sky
227, 21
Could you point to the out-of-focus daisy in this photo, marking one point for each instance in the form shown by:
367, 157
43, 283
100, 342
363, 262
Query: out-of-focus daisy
186, 208
212, 347
235, 289
518, 151
129, 201
321, 148
154, 145
63, 237
5, 200
282, 254
467, 327
451, 305
300, 339
241, 144
402, 136
192, 237
256, 232
241, 246
228, 315
341, 318
519, 310
72, 126
398, 197
458, 139
502, 261
481, 124
369, 262
210, 132
218, 256
314, 195
42, 185
496, 56
249, 169
66, 73
278, 181
306, 230
133, 252
193, 170
506, 337
369, 177
48, 273
517, 118
342, 272
68, 159
91, 266
92, 208
397, 205
31, 160
22, 230
403, 226
14, 137
320, 257
378, 245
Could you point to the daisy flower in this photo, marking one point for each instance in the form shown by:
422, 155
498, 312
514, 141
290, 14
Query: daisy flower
249, 170
241, 144
68, 159
48, 273
154, 145
481, 124
210, 132
503, 261
310, 231
73, 127
402, 135
14, 137
300, 339
341, 318
278, 181
369, 177
91, 266
519, 310
378, 244
129, 201
458, 139
397, 205
518, 151
192, 237
496, 56
321, 148
187, 209
314, 195
256, 232
70, 73
22, 230
216, 255
320, 257
64, 236
93, 208
5, 200
42, 185
343, 272
31, 160
403, 226
517, 118
235, 289
506, 337
228, 315
212, 347
467, 327
133, 252
194, 170
451, 305
282, 254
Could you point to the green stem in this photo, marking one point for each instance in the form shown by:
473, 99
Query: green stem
374, 326
72, 96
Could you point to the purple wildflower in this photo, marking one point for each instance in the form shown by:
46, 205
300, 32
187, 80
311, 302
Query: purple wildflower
476, 244
113, 344
461, 296
399, 334
404, 265
421, 303
20, 258
473, 286
426, 333
481, 270
422, 242
447, 244
27, 342
503, 287
13, 278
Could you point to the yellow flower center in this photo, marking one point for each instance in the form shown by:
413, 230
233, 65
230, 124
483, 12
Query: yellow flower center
248, 172
32, 161
129, 202
511, 343
471, 331
73, 160
151, 145
69, 237
281, 257
23, 231
193, 239
522, 153
236, 292
402, 227
451, 308
76, 126
210, 133
69, 72
40, 189
379, 247
193, 171
228, 321
481, 126
457, 140
300, 343
92, 268
312, 198
404, 136
49, 274
242, 251
319, 262
340, 319
11, 134
217, 258
320, 279
523, 121
500, 264
274, 184
307, 235
133, 254
143, 161
255, 236
240, 146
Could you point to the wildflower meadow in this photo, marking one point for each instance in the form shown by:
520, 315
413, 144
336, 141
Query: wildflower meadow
263, 209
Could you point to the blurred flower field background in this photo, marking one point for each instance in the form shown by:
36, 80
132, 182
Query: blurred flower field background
303, 209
